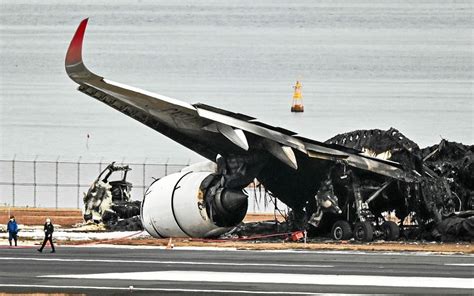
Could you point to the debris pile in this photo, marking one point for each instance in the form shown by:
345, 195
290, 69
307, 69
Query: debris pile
260, 228
454, 162
109, 202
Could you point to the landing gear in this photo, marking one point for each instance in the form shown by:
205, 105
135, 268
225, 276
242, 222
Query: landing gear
354, 212
341, 230
391, 230
363, 231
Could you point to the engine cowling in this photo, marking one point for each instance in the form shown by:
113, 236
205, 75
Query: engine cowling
191, 204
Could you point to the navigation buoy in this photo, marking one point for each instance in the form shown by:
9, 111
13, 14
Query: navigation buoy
297, 105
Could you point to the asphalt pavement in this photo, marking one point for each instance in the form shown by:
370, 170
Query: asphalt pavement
155, 271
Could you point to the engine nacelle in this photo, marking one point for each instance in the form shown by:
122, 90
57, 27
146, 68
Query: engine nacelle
191, 204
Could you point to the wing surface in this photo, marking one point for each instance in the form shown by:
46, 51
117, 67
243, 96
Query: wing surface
208, 130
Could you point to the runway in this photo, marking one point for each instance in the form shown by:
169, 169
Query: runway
113, 270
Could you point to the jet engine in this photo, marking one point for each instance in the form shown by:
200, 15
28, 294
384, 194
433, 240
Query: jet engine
192, 204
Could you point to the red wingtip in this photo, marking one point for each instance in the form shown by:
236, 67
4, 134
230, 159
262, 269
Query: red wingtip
74, 53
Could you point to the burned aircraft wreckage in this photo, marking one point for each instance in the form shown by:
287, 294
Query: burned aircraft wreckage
341, 186
438, 198
108, 201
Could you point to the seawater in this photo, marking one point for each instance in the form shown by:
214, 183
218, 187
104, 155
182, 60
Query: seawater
363, 64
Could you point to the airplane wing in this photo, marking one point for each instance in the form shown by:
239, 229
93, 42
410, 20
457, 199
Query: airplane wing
210, 131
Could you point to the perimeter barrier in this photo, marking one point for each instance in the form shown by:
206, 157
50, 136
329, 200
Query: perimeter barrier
61, 184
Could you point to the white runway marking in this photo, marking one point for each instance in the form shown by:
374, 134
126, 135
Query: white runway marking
282, 278
167, 262
298, 251
239, 292
459, 264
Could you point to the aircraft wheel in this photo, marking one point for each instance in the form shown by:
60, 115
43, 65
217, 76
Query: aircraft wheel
341, 230
87, 217
391, 230
363, 231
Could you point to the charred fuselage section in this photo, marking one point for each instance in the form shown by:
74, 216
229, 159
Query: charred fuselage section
438, 195
109, 201
433, 202
345, 201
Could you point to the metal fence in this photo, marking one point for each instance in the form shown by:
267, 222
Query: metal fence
61, 184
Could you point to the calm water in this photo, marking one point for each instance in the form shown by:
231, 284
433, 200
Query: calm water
371, 64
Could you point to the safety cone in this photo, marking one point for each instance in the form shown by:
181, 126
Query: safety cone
170, 245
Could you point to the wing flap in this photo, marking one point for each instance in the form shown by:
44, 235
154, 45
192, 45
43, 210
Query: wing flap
254, 129
376, 166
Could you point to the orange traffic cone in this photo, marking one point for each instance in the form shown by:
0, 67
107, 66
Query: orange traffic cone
170, 245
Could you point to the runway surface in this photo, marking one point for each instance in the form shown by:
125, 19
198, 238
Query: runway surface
151, 271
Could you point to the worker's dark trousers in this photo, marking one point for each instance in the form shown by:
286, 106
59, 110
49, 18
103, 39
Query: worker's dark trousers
12, 236
46, 239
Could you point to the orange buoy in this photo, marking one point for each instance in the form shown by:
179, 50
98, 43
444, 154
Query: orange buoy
297, 105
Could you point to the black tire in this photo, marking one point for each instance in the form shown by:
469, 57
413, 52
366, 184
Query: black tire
363, 231
341, 230
391, 230
87, 217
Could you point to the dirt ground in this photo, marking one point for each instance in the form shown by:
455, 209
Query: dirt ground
37, 216
68, 217
381, 246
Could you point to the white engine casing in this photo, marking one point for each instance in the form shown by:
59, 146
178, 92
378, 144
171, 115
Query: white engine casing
173, 206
